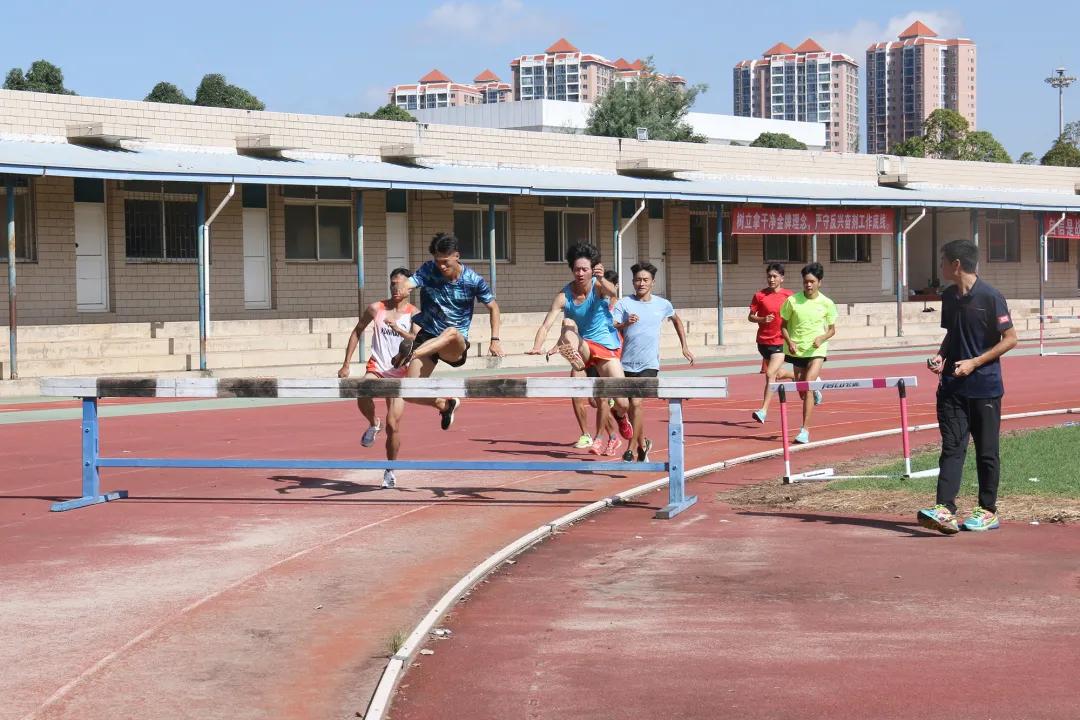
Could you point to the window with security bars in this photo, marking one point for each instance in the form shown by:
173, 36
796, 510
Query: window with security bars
160, 221
703, 239
25, 246
318, 223
850, 248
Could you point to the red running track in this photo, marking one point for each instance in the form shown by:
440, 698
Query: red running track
248, 594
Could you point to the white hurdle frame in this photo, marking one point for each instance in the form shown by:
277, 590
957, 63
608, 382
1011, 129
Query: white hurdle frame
900, 383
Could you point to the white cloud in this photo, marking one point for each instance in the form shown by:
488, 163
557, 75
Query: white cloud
490, 23
855, 39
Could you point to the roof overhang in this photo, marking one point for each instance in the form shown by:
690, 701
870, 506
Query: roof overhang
26, 157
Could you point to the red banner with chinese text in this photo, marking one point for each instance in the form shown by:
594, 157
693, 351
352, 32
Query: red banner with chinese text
1069, 227
811, 221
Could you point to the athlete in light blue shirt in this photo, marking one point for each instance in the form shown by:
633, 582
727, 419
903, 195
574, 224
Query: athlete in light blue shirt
639, 317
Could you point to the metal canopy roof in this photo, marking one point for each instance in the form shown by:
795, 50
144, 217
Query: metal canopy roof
25, 157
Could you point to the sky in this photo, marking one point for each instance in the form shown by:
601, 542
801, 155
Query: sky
339, 56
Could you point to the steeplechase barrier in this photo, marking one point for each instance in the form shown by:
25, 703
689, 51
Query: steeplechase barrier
673, 389
900, 383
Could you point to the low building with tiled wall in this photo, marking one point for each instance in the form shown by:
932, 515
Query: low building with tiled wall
277, 278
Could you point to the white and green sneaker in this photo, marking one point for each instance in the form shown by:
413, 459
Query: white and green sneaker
981, 519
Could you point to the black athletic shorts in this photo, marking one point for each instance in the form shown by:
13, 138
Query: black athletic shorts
767, 351
647, 372
423, 336
802, 362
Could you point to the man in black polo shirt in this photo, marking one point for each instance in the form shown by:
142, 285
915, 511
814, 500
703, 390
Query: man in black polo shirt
978, 331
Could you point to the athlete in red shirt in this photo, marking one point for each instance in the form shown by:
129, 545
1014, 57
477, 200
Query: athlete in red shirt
765, 311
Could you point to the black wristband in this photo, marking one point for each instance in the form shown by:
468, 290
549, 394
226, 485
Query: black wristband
495, 338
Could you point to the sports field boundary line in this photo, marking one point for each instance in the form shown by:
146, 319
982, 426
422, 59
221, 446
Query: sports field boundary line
398, 662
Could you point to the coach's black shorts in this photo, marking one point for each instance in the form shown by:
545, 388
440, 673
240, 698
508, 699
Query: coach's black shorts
647, 372
423, 336
767, 351
802, 362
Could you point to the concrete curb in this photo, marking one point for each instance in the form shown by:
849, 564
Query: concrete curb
395, 668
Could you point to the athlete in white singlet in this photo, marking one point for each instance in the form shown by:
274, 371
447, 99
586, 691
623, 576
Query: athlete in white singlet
391, 320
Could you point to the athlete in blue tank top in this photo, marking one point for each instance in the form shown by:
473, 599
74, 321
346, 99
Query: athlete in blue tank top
590, 340
448, 292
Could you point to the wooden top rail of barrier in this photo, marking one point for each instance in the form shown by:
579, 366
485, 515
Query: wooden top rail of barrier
675, 387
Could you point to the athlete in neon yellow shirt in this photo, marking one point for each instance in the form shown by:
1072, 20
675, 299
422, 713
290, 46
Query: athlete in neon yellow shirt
808, 321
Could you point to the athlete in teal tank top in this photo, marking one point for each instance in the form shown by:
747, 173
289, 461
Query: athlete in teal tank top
591, 339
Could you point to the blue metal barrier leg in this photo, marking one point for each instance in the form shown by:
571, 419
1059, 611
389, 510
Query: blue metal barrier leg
677, 499
91, 480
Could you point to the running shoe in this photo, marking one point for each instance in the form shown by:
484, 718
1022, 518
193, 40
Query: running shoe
802, 437
388, 479
448, 414
818, 397
584, 441
643, 451
403, 354
369, 435
628, 456
613, 446
625, 428
598, 447
938, 518
760, 416
981, 519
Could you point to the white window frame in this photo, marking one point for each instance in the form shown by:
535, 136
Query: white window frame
483, 242
563, 212
1002, 225
834, 248
317, 202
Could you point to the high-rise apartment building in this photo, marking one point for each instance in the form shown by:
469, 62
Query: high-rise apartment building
562, 72
807, 83
436, 90
909, 78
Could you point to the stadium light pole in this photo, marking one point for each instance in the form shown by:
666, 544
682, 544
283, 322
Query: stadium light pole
1060, 81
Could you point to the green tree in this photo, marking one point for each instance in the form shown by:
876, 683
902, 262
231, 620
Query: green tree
1064, 154
914, 146
214, 91
782, 141
944, 134
166, 92
1072, 133
1027, 158
981, 146
647, 102
389, 111
42, 76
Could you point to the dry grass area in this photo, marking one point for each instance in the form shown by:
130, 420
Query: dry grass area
824, 497
819, 497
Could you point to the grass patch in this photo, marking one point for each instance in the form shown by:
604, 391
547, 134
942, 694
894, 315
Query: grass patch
395, 642
1050, 455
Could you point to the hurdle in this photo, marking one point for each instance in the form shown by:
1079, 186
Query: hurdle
673, 389
900, 383
1043, 320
